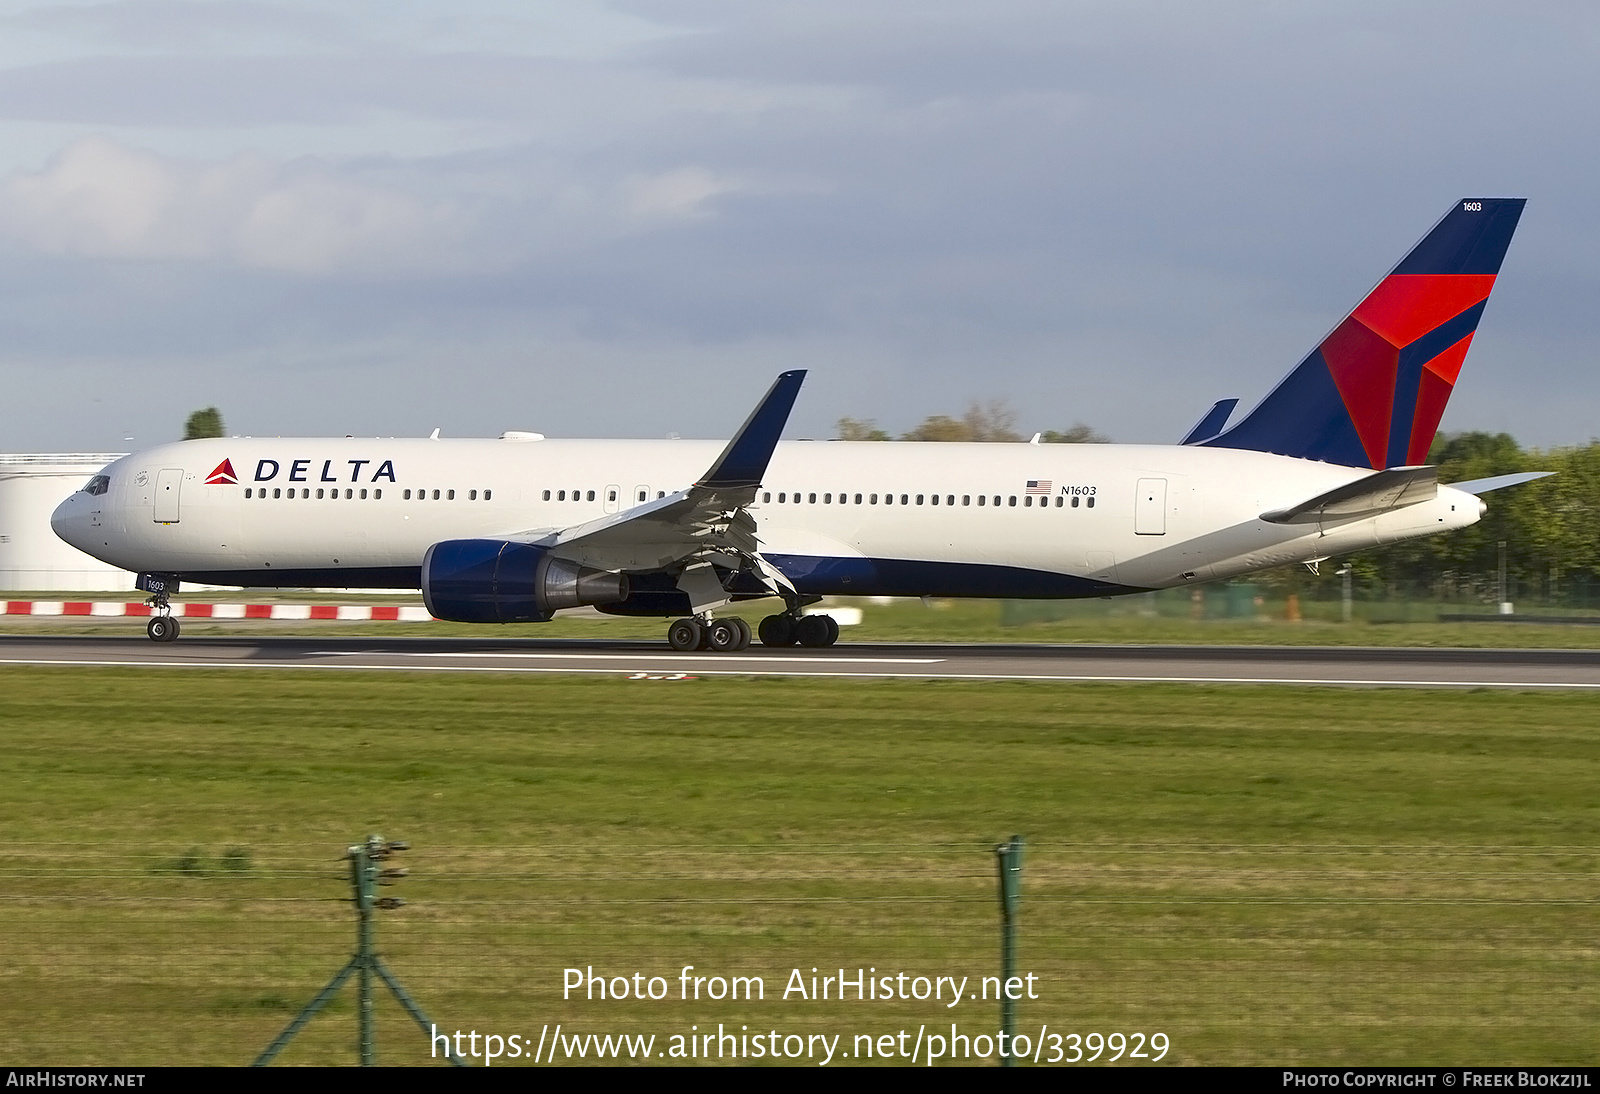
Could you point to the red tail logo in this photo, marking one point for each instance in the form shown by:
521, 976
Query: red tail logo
223, 475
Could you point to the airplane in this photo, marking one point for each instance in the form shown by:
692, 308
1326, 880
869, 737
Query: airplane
518, 528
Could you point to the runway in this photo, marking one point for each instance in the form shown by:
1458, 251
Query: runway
1298, 665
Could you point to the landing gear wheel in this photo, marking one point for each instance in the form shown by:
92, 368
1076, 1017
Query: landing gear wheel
744, 633
685, 635
777, 630
162, 628
818, 631
723, 635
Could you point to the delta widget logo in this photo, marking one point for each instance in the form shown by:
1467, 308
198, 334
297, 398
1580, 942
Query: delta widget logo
223, 475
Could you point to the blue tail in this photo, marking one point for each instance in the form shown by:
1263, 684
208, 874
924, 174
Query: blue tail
1373, 392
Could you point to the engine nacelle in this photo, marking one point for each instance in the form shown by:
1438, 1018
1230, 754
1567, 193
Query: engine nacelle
498, 581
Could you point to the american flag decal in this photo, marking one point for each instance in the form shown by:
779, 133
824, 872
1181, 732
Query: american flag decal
1040, 486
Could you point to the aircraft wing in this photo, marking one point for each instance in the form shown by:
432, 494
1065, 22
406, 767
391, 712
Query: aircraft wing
1377, 493
705, 524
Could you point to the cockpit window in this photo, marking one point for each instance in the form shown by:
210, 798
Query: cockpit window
97, 485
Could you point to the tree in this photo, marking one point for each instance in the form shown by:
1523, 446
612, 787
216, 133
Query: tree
991, 421
1077, 434
203, 423
859, 429
940, 427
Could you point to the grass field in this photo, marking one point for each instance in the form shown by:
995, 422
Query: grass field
1311, 876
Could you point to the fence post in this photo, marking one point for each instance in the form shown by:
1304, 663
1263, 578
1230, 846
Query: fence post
366, 874
1009, 855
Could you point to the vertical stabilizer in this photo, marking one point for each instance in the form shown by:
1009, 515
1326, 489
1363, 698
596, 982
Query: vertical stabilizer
1373, 392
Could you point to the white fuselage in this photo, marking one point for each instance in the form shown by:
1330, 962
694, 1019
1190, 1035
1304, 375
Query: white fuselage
888, 518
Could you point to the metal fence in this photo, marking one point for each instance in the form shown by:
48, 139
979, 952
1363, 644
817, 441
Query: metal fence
1282, 954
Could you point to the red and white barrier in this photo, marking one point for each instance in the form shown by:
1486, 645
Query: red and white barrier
393, 613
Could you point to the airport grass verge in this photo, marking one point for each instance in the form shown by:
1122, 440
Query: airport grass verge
1267, 875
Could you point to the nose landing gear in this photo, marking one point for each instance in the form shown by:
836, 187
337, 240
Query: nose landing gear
163, 627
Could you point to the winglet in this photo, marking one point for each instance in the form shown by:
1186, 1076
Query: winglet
1210, 425
744, 461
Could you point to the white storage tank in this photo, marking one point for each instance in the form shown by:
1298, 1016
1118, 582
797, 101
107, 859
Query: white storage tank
32, 557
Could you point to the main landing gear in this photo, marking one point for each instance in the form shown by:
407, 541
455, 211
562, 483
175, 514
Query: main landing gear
728, 635
812, 631
732, 634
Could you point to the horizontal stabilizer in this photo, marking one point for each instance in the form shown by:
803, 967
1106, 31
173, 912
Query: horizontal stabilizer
1211, 424
1380, 492
1498, 482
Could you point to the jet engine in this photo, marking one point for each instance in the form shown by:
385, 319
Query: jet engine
498, 581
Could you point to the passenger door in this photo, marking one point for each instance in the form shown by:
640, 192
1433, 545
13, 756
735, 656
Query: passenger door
169, 483
1150, 508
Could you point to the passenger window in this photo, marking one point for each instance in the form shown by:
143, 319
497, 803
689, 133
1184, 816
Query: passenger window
472, 495
378, 493
363, 493
1013, 501
1074, 502
547, 495
858, 499
591, 495
450, 495
436, 495
950, 499
276, 493
827, 499
407, 495
561, 495
966, 499
247, 492
1027, 502
319, 493
1058, 501
1091, 501
873, 499
980, 498
782, 497
812, 499
919, 499
997, 499
611, 495
487, 494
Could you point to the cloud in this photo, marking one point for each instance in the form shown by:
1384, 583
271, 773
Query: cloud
102, 199
676, 195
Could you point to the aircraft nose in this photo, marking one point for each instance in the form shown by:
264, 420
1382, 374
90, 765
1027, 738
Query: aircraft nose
70, 521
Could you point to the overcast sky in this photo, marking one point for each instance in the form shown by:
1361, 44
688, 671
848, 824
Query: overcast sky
591, 219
